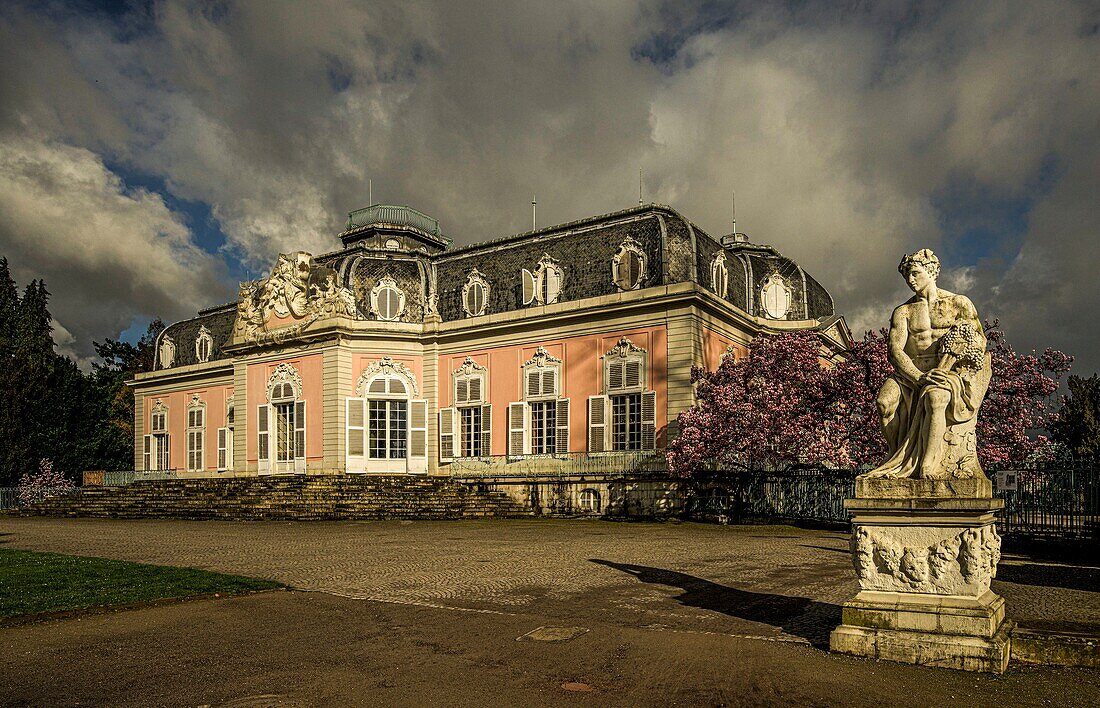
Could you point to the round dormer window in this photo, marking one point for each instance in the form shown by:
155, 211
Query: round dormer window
387, 300
775, 297
393, 244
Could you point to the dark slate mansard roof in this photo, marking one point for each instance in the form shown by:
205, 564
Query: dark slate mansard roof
675, 249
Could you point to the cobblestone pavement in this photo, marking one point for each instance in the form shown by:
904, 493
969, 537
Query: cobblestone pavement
775, 582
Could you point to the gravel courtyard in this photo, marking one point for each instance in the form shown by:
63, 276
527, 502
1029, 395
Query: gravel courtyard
766, 589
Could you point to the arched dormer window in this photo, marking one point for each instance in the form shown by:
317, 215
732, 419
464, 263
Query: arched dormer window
775, 297
392, 244
628, 265
719, 275
475, 294
387, 430
167, 352
544, 285
387, 301
281, 423
196, 434
204, 345
624, 417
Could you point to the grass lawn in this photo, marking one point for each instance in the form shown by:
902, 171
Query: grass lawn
31, 583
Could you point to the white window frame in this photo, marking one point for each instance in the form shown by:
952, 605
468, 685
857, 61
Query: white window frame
475, 280
166, 352
386, 380
720, 275
284, 387
584, 502
625, 369
386, 283
542, 382
536, 285
157, 452
627, 247
196, 435
204, 345
773, 283
469, 390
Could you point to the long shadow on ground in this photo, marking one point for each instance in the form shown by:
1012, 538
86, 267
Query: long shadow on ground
1071, 577
798, 616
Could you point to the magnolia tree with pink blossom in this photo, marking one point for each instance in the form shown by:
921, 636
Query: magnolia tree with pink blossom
780, 406
44, 482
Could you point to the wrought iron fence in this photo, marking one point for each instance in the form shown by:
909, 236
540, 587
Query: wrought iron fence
1041, 501
815, 495
8, 497
1050, 501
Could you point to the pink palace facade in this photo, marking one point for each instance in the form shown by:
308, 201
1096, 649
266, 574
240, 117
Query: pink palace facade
563, 348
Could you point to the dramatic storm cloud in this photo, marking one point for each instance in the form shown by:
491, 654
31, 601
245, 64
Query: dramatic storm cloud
186, 143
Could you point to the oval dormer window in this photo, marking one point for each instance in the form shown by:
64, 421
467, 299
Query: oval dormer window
775, 296
387, 300
167, 352
719, 275
475, 294
628, 266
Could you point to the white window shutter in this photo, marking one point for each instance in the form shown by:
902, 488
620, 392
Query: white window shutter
167, 456
263, 437
553, 284
229, 448
561, 436
223, 447
418, 437
528, 286
548, 383
615, 376
462, 390
300, 436
597, 423
519, 439
446, 434
473, 390
486, 431
147, 454
534, 383
649, 420
633, 375
355, 441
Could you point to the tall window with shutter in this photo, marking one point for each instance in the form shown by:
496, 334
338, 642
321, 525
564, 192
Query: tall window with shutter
624, 418
196, 435
386, 426
281, 424
539, 425
156, 445
466, 427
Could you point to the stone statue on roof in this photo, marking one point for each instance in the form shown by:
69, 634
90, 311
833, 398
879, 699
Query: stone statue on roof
929, 407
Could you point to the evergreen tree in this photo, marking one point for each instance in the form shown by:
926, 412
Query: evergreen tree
1078, 422
114, 439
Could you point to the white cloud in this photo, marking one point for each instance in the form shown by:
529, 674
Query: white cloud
839, 131
107, 254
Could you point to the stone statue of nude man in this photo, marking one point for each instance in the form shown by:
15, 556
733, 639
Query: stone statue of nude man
929, 407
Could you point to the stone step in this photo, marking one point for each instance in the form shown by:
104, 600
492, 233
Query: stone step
285, 498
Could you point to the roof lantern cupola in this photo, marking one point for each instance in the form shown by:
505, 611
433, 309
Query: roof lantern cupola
392, 227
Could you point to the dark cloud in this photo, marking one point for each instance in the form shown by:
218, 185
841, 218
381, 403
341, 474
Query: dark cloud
851, 135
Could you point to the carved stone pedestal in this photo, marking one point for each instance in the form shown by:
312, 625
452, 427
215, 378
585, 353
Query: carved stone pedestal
924, 552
